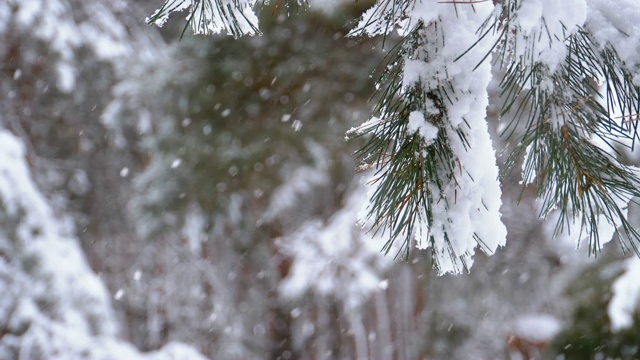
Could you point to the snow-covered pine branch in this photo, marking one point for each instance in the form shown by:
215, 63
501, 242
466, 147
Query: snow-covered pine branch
569, 94
432, 111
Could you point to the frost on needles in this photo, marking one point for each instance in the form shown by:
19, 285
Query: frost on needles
569, 96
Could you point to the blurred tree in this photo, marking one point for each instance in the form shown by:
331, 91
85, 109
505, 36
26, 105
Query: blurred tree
247, 162
57, 68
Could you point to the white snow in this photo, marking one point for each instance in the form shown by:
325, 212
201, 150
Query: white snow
536, 328
213, 19
417, 123
335, 258
626, 296
541, 27
616, 24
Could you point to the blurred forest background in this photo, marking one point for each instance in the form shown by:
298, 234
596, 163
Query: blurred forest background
169, 199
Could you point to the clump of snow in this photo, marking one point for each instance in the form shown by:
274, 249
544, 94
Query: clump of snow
558, 17
626, 296
375, 21
417, 123
616, 25
541, 27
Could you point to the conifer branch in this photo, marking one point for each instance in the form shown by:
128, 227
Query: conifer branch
556, 107
559, 113
412, 174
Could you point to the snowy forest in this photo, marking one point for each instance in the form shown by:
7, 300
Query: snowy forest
322, 179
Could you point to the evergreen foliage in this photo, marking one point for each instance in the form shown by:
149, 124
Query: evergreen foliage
565, 117
567, 99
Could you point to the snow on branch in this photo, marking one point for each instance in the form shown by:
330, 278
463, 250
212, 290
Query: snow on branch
233, 17
437, 175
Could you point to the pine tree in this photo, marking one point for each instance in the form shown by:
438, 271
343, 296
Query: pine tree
564, 75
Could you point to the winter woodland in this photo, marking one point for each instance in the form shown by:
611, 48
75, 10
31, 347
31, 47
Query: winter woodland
287, 179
